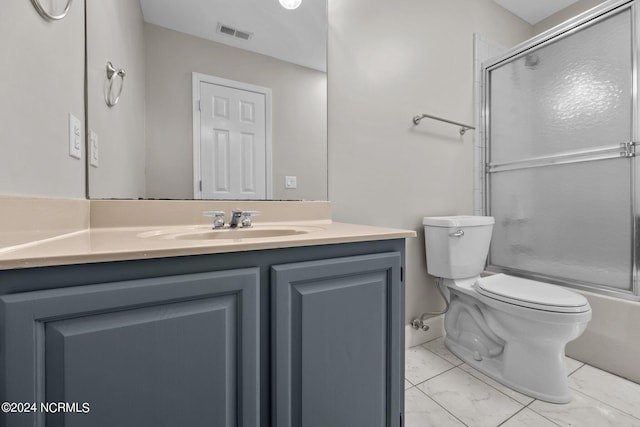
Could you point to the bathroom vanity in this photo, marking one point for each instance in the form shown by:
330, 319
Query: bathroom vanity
307, 335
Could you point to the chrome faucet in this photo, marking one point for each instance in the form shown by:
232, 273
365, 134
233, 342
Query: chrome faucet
236, 214
244, 218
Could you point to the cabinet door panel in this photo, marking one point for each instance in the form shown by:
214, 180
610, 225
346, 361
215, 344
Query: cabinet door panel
336, 340
179, 350
146, 356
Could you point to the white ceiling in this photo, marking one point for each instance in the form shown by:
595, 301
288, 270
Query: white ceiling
534, 11
298, 36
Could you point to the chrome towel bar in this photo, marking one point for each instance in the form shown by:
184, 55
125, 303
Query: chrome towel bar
606, 152
463, 127
48, 15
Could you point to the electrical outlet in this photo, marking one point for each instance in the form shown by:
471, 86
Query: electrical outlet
93, 149
290, 182
75, 137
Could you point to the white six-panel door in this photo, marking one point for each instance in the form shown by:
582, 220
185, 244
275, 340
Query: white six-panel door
233, 142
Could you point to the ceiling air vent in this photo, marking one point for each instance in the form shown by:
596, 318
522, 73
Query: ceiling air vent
243, 35
230, 31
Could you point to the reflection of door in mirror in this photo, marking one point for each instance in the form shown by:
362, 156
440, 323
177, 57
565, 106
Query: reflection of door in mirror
146, 144
231, 140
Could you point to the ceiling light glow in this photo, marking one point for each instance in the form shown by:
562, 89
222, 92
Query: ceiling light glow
290, 4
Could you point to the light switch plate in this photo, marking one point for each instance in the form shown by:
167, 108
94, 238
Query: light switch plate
93, 149
75, 137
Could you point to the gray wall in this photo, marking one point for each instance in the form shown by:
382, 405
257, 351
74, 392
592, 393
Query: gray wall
389, 61
299, 112
115, 32
42, 77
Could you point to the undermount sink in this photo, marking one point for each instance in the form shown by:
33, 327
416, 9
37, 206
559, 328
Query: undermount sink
228, 234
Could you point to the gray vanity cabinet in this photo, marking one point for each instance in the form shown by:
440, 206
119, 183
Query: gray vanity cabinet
288, 337
170, 351
336, 342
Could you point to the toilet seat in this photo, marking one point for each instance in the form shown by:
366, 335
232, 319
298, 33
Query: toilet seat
531, 294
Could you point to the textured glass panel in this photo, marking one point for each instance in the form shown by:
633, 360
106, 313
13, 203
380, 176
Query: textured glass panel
569, 221
572, 94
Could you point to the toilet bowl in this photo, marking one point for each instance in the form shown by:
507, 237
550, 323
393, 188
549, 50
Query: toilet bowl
512, 329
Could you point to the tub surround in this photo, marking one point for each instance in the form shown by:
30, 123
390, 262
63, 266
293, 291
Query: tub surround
46, 232
611, 341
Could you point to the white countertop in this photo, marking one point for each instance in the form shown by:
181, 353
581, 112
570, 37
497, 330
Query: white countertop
126, 237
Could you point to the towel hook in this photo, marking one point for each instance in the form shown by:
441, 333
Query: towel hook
112, 73
49, 16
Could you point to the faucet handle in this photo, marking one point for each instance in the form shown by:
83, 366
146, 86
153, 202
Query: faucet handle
247, 217
218, 218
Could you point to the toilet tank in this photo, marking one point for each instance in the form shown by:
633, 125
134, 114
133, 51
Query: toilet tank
457, 246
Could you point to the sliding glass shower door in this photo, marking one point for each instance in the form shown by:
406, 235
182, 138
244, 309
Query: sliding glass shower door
560, 166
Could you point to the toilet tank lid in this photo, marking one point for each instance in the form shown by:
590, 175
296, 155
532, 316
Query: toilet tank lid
457, 221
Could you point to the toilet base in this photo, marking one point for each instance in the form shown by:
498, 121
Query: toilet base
495, 368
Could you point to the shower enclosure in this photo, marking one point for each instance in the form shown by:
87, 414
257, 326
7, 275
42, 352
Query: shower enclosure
561, 177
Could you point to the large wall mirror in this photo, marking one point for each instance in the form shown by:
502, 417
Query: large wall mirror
42, 88
232, 93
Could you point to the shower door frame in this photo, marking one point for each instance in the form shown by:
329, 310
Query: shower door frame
591, 17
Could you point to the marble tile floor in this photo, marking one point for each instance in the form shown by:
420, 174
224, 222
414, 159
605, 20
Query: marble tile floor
442, 391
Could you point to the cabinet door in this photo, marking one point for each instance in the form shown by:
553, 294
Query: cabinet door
337, 343
171, 351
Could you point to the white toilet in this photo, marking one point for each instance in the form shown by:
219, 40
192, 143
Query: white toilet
512, 329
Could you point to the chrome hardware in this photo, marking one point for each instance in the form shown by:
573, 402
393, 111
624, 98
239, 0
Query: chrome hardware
419, 324
457, 233
247, 217
112, 73
625, 149
236, 214
218, 218
46, 15
628, 149
463, 128
243, 218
